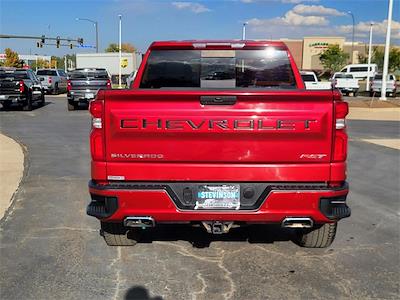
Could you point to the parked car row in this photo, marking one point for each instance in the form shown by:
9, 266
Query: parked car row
348, 83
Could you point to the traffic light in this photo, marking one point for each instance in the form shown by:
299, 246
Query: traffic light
80, 41
43, 40
39, 44
58, 42
71, 46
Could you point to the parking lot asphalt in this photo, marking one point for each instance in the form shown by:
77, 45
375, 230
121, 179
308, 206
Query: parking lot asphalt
50, 248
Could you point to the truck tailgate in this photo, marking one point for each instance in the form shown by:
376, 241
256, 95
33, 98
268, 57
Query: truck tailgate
149, 128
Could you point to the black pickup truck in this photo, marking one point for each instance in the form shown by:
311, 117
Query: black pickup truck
20, 86
83, 84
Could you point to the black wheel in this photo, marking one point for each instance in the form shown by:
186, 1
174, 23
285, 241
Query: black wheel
28, 104
71, 106
371, 94
115, 234
42, 99
355, 93
321, 236
394, 94
56, 90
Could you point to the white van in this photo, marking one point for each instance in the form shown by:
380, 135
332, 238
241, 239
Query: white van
360, 71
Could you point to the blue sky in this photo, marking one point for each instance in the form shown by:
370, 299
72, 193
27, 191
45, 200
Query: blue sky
146, 21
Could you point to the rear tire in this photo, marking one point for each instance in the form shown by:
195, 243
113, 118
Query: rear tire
71, 106
56, 90
394, 94
42, 99
28, 105
321, 236
115, 234
355, 93
6, 105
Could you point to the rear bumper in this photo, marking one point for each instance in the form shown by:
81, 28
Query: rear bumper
114, 202
81, 95
348, 89
12, 98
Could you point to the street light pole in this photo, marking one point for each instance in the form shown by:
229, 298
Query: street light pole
120, 51
387, 46
96, 25
244, 31
369, 55
352, 38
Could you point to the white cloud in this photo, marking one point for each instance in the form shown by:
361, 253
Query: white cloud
291, 18
379, 29
316, 10
298, 1
196, 8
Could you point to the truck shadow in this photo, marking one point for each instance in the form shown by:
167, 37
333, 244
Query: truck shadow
139, 293
199, 238
16, 107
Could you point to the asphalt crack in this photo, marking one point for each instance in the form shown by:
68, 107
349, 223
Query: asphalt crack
117, 275
217, 260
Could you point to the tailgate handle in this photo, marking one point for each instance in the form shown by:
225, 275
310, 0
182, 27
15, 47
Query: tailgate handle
218, 100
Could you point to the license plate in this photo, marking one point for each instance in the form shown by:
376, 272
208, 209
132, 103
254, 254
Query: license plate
218, 197
89, 95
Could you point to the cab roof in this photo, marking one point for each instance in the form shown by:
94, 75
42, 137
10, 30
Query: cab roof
217, 44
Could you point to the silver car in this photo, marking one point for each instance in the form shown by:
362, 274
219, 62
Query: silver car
53, 80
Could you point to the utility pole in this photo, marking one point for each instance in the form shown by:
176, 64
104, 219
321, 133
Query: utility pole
244, 31
352, 37
120, 51
369, 56
387, 46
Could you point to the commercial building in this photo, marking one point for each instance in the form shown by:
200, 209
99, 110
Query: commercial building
306, 51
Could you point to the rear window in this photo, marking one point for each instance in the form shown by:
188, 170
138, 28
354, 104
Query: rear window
308, 78
14, 75
379, 77
348, 76
46, 72
268, 68
358, 69
82, 74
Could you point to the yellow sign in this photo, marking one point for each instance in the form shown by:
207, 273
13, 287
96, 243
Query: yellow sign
124, 62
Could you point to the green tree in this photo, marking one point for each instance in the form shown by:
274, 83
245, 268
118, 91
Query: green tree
378, 55
333, 58
12, 59
41, 64
126, 47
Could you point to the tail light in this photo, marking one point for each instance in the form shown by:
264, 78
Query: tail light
21, 86
49, 79
96, 109
69, 85
109, 84
340, 136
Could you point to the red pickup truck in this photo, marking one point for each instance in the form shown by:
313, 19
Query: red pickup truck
223, 134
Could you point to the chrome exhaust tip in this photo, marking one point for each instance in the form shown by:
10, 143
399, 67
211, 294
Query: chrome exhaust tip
142, 222
293, 222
